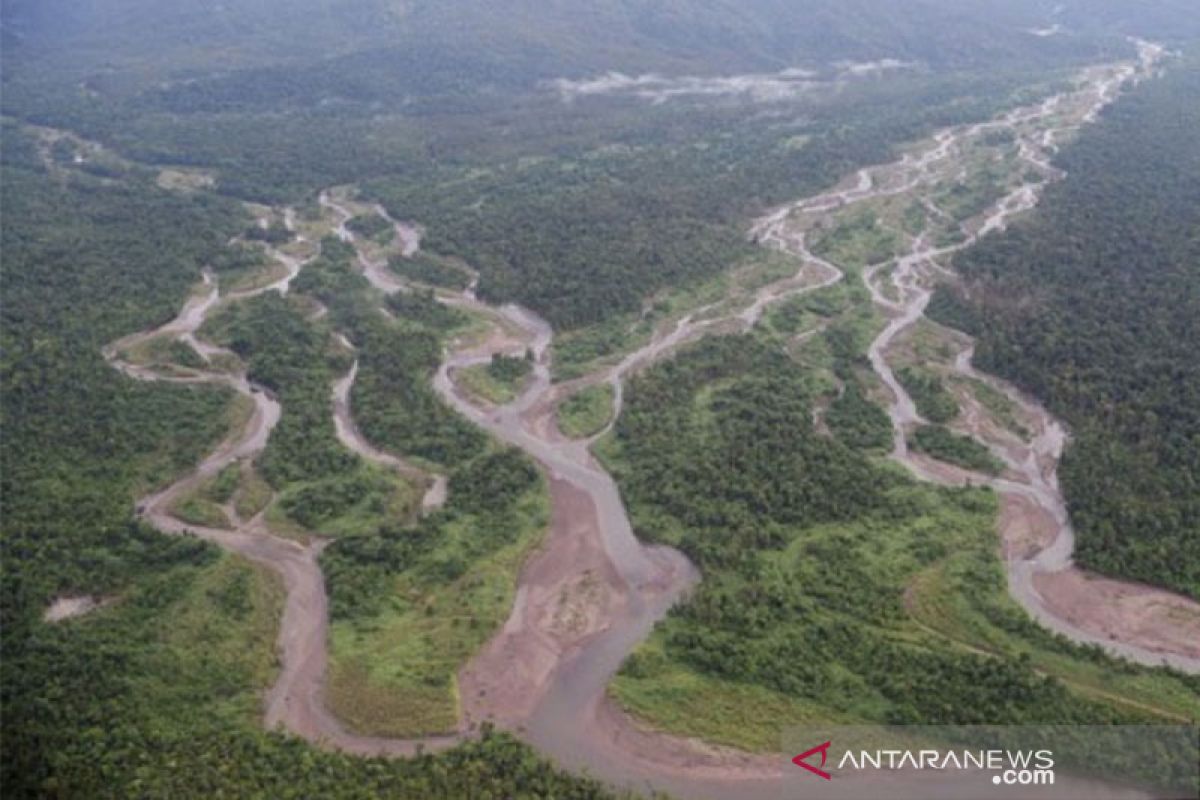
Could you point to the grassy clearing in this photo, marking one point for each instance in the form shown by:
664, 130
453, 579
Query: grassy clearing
498, 382
586, 412
994, 624
395, 673
203, 505
998, 404
989, 180
925, 343
764, 268
804, 312
253, 494
220, 634
857, 242
578, 352
184, 180
270, 271
685, 702
161, 351
197, 510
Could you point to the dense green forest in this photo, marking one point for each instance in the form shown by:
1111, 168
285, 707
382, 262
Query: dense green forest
589, 227
821, 568
963, 451
361, 570
857, 421
323, 486
1093, 305
934, 402
393, 403
85, 262
577, 209
382, 50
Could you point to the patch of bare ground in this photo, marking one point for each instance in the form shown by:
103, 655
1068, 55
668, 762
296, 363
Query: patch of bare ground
1026, 528
497, 337
568, 593
694, 758
1123, 611
69, 606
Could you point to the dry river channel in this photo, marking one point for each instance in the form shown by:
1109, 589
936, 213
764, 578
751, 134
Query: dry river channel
535, 677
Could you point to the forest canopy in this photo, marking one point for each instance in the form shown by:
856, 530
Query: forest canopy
1093, 305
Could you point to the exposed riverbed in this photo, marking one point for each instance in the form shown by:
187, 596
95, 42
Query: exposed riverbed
546, 679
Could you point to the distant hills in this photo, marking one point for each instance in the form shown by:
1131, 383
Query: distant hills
452, 46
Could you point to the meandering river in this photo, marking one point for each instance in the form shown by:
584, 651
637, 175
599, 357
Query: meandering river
565, 713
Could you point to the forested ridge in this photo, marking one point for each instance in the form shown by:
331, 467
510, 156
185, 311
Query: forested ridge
1093, 305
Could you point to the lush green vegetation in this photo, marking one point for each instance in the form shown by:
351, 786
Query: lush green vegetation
423, 308
835, 588
396, 408
588, 233
499, 381
85, 262
1001, 407
858, 422
510, 369
394, 404
431, 270
579, 209
373, 227
857, 242
411, 605
988, 181
163, 353
157, 694
580, 351
586, 412
323, 486
203, 506
933, 400
1092, 304
963, 451
410, 601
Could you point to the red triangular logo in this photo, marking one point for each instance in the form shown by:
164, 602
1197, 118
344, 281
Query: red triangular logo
823, 749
